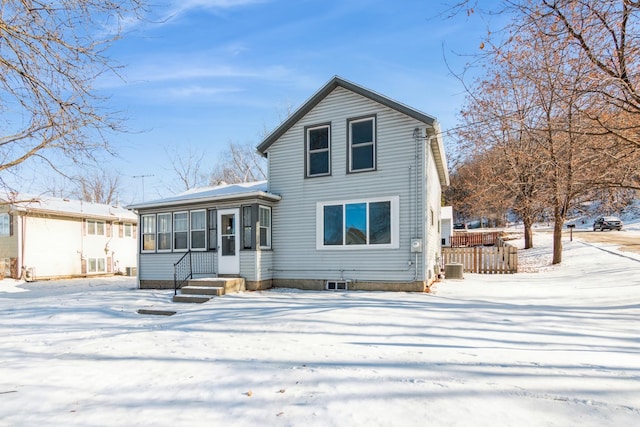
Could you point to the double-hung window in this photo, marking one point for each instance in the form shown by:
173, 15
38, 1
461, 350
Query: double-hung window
357, 224
265, 227
148, 233
362, 144
318, 150
180, 231
164, 232
198, 229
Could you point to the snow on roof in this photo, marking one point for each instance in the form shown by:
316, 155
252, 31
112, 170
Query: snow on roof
68, 207
219, 192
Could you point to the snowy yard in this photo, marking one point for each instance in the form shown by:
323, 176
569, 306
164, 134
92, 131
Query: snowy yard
559, 346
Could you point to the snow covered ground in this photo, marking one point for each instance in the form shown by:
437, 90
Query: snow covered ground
558, 346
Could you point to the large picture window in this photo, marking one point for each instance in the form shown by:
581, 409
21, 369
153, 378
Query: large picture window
265, 227
148, 233
198, 229
371, 223
164, 232
318, 151
362, 144
180, 231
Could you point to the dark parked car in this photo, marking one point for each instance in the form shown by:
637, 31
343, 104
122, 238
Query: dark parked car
459, 226
607, 223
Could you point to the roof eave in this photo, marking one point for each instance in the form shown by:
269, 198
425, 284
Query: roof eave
254, 194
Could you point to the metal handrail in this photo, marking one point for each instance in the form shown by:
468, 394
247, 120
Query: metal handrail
192, 262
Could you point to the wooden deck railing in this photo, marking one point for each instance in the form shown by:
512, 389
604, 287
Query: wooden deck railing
459, 240
499, 259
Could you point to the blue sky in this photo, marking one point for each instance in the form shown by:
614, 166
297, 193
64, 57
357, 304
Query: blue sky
199, 74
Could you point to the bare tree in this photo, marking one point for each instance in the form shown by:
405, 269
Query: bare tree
187, 167
239, 163
51, 53
99, 187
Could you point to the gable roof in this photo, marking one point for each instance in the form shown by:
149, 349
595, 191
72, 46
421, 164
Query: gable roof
335, 82
436, 142
256, 189
28, 203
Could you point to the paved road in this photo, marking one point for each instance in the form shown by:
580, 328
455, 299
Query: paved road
628, 240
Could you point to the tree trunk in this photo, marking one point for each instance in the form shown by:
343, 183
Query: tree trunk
528, 233
557, 240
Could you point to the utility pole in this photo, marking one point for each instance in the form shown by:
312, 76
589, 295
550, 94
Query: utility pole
142, 177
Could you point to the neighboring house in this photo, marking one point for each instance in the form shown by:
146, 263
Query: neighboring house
446, 221
48, 237
352, 201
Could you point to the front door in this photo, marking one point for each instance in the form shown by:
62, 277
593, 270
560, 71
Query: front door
228, 257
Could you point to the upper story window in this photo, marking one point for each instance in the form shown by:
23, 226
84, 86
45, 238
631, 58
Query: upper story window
198, 229
164, 232
148, 233
5, 224
358, 224
265, 227
95, 228
127, 230
318, 150
362, 144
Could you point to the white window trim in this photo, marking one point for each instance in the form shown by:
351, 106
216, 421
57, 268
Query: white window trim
395, 224
158, 232
204, 230
308, 150
373, 143
173, 232
142, 234
267, 208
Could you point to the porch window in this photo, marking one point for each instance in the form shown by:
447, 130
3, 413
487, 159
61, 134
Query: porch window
247, 226
357, 224
198, 230
148, 233
95, 228
318, 151
362, 144
164, 232
265, 227
212, 226
180, 231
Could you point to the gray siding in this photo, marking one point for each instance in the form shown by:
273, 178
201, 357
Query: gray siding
294, 217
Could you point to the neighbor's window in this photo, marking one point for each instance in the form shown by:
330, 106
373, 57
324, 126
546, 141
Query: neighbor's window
96, 265
5, 224
358, 224
164, 232
265, 227
95, 228
362, 144
127, 230
212, 227
198, 229
318, 150
148, 233
180, 231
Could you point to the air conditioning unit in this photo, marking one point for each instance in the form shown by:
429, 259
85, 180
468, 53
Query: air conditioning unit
416, 245
337, 285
